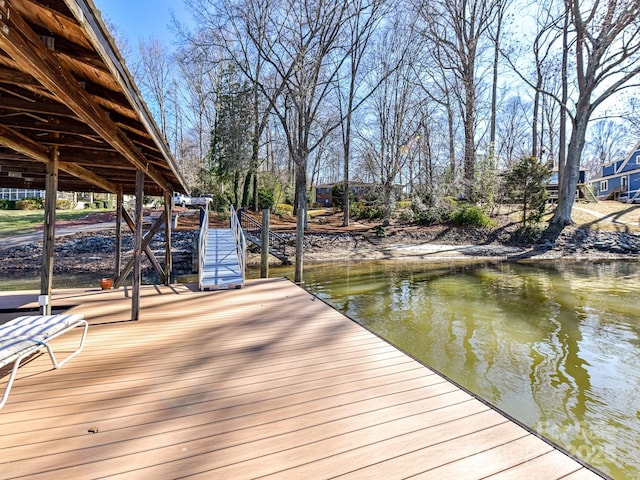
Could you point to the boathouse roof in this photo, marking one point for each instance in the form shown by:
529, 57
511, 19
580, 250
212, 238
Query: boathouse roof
65, 91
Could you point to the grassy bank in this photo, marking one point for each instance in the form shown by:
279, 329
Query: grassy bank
15, 222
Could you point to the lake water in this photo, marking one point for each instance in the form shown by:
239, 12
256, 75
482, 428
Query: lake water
555, 346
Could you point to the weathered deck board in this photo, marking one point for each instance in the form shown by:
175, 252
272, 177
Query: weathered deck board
263, 381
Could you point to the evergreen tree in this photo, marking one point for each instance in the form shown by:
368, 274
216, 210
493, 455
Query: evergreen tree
230, 149
525, 184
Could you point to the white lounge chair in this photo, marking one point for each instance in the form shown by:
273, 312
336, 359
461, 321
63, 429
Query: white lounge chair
23, 336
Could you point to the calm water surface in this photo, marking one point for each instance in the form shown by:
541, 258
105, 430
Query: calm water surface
557, 347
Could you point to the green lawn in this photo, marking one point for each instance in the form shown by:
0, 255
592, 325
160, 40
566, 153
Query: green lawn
15, 222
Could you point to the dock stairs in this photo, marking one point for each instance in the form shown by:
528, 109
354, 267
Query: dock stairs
253, 232
221, 255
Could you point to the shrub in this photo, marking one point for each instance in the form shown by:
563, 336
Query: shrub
265, 198
362, 211
431, 216
470, 215
431, 212
27, 204
337, 195
4, 204
98, 204
407, 216
64, 204
284, 209
219, 202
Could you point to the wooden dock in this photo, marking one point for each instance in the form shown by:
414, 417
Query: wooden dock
266, 381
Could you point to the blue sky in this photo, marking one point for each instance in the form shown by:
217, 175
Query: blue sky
143, 18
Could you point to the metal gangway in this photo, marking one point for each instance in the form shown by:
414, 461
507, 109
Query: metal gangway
221, 254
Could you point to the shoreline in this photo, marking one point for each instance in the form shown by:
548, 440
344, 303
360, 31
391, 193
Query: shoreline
93, 252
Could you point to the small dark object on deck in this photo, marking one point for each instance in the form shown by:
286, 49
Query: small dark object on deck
94, 430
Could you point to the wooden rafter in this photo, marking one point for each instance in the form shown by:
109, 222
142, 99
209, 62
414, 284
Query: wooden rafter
26, 48
26, 146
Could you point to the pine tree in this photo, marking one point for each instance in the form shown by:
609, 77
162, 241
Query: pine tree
230, 148
525, 184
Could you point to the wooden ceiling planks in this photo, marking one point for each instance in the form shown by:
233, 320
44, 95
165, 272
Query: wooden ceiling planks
64, 85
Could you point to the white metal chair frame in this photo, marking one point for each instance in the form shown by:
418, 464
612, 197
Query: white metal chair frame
24, 336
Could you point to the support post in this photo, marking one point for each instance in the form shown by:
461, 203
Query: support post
137, 248
49, 234
168, 263
146, 241
264, 257
119, 208
300, 227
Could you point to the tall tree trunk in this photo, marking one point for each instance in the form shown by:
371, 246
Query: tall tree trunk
571, 172
562, 135
301, 204
534, 120
387, 190
469, 140
452, 147
345, 199
246, 187
494, 86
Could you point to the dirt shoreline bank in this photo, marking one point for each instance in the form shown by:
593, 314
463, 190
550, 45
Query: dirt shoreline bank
89, 252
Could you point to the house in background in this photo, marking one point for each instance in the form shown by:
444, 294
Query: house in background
323, 195
582, 189
362, 192
20, 193
620, 180
78, 199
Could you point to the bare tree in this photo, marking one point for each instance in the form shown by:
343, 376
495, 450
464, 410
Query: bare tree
156, 77
441, 91
607, 58
496, 37
200, 70
513, 132
607, 141
360, 28
286, 48
395, 113
633, 115
456, 30
244, 30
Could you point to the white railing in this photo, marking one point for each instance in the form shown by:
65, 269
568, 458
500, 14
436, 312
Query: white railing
202, 244
238, 237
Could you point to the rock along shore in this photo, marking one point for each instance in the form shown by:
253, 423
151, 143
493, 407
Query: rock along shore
90, 252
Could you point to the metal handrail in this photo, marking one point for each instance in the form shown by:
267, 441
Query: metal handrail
277, 243
202, 244
239, 239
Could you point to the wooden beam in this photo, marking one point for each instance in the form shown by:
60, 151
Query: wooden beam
49, 233
53, 21
22, 44
13, 77
137, 248
119, 210
23, 144
168, 262
145, 248
20, 143
88, 176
